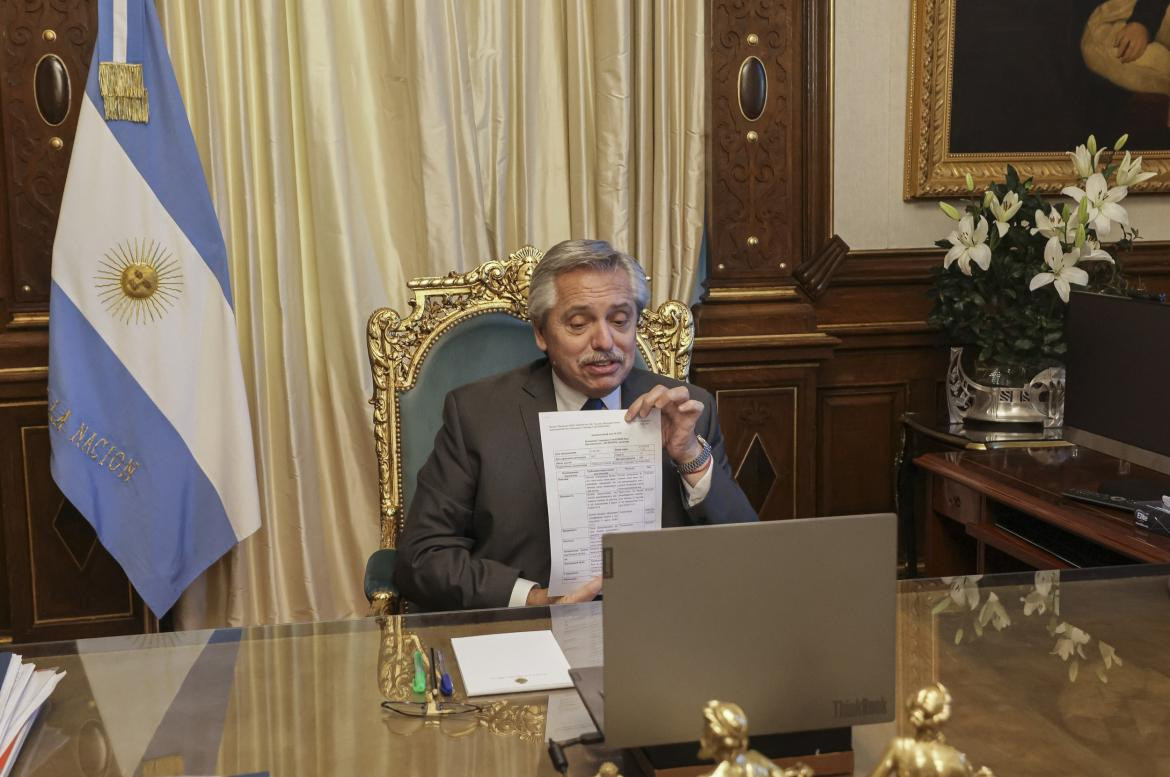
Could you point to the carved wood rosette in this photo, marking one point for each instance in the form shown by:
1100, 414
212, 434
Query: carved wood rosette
397, 346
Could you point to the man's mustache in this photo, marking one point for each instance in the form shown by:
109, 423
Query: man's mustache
597, 357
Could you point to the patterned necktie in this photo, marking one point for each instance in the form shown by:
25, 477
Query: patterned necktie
593, 403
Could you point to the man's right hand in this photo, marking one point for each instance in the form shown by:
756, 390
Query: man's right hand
1132, 41
586, 593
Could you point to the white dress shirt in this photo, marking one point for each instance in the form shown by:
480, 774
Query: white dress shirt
568, 398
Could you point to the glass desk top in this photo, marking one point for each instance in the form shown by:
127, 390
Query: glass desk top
1052, 674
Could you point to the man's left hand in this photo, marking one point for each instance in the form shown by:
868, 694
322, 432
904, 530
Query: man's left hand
680, 413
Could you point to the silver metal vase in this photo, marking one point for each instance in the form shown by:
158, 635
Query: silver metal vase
1039, 401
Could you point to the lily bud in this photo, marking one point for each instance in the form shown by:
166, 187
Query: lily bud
949, 209
1064, 213
1092, 144
987, 197
1080, 235
1121, 141
1083, 210
970, 183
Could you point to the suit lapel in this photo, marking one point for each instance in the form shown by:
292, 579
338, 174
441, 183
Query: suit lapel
538, 397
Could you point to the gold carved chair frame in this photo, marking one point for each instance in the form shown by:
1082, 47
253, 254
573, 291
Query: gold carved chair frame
398, 345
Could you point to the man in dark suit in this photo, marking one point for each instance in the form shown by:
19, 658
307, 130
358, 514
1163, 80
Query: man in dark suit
477, 531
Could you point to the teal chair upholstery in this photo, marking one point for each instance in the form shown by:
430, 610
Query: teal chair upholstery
477, 348
463, 327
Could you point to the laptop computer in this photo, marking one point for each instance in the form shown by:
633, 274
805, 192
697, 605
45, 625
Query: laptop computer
792, 620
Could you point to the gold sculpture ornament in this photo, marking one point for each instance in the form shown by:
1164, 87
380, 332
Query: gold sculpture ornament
725, 740
608, 769
927, 754
396, 659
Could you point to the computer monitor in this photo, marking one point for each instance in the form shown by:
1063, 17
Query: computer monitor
1118, 378
792, 620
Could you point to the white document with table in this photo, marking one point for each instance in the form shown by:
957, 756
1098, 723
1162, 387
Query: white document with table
602, 474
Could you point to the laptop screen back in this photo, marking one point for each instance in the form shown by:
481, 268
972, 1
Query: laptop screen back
792, 620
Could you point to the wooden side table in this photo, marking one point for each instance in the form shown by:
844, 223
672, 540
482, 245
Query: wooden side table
1005, 510
920, 437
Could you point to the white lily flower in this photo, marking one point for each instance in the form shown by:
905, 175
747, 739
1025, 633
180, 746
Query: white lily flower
1004, 211
1108, 655
1043, 594
1064, 269
1085, 161
1052, 225
1129, 172
1101, 202
967, 245
1034, 602
1045, 579
994, 612
964, 590
1072, 640
1091, 251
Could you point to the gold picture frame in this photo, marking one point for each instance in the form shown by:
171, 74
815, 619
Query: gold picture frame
931, 169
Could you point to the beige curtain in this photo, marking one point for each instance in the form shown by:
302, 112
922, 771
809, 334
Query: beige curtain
353, 144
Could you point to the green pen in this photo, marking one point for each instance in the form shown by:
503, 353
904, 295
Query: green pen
420, 673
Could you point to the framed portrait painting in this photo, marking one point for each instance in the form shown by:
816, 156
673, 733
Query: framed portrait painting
994, 82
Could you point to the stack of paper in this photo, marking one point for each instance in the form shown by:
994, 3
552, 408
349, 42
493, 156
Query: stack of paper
23, 689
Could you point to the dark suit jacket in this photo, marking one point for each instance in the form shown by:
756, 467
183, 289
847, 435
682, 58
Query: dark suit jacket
479, 516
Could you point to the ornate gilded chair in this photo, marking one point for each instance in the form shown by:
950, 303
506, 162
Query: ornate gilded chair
460, 328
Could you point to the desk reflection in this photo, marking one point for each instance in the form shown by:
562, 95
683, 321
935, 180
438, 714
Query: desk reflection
1052, 674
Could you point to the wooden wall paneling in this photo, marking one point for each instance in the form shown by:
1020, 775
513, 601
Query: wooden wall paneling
771, 254
35, 150
903, 272
857, 440
765, 414
63, 583
5, 582
754, 194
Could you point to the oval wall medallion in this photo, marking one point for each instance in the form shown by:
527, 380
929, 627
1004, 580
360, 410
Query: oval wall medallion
753, 88
52, 89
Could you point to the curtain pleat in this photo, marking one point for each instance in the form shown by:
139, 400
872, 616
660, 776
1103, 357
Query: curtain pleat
350, 146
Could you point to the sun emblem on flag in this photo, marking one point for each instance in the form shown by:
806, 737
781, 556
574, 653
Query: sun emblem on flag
139, 281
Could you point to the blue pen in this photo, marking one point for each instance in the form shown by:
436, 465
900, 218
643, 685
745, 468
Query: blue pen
446, 687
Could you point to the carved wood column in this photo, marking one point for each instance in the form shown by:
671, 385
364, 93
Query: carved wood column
56, 580
770, 251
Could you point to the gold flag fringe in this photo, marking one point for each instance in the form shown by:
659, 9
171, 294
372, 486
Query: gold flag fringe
123, 92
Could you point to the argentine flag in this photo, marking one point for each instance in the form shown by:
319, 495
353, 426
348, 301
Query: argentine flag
148, 417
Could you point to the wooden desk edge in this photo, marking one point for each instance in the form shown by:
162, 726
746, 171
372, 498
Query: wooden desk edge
1068, 516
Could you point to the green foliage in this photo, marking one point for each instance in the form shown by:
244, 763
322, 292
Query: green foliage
993, 310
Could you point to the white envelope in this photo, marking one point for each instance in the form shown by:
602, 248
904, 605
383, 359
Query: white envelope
516, 662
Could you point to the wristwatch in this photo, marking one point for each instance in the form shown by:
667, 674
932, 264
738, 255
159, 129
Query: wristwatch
697, 463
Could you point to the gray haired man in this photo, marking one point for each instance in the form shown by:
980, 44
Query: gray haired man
477, 531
